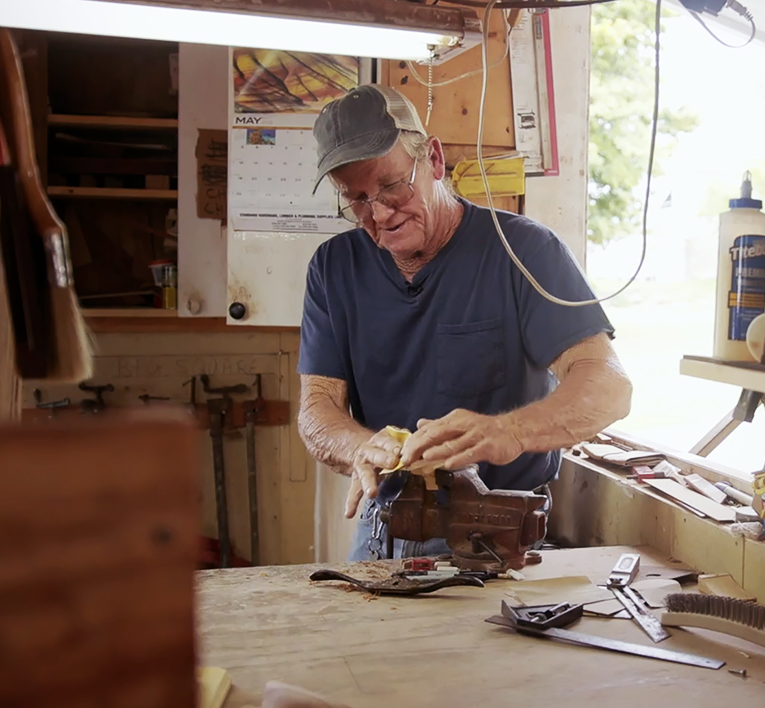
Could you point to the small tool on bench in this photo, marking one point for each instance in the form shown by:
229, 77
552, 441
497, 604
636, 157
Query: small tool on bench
399, 586
508, 620
486, 530
97, 404
219, 409
543, 616
50, 406
740, 618
624, 572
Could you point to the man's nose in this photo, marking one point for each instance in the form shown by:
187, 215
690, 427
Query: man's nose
381, 212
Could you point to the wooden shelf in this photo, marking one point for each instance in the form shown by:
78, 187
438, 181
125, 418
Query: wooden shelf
106, 122
111, 193
128, 312
742, 374
137, 320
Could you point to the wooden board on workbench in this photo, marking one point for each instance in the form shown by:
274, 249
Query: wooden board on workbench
696, 501
422, 652
99, 539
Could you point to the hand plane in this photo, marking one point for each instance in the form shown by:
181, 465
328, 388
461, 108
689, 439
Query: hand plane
485, 529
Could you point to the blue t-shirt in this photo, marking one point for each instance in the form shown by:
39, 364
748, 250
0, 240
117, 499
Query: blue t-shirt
469, 331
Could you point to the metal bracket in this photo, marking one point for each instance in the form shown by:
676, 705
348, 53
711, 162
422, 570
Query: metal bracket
742, 413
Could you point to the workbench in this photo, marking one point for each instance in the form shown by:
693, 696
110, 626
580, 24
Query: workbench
424, 651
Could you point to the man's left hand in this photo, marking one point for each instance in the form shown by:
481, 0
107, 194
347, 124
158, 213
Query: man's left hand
462, 438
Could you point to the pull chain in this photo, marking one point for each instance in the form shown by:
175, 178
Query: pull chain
430, 84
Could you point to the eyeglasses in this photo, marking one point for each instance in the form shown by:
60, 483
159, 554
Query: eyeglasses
392, 196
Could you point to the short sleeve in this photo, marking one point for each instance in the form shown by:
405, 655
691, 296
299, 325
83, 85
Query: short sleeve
549, 329
319, 354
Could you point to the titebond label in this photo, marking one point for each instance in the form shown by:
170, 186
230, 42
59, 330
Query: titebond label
746, 298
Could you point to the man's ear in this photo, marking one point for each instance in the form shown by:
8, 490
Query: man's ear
436, 158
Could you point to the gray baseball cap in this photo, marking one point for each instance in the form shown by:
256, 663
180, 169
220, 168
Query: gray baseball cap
363, 124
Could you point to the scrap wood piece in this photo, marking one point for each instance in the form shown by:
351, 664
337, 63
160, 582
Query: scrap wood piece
214, 685
723, 585
576, 590
652, 590
702, 486
698, 502
624, 458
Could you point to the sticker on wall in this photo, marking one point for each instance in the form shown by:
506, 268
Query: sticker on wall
275, 97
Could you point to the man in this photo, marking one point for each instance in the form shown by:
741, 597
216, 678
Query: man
419, 319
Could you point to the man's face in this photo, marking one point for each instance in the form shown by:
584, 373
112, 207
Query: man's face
406, 230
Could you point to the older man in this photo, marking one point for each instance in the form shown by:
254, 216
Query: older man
418, 318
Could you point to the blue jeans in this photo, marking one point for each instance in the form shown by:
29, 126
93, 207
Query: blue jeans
403, 549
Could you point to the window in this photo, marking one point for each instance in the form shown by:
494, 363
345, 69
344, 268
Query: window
711, 132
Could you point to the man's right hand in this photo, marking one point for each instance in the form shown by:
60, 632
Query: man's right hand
380, 452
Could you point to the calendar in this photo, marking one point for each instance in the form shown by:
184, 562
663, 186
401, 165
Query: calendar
271, 178
275, 99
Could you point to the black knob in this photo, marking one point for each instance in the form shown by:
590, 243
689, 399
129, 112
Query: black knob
237, 310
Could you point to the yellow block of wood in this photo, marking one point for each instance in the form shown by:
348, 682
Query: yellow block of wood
214, 684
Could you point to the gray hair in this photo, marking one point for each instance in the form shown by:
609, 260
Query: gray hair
415, 144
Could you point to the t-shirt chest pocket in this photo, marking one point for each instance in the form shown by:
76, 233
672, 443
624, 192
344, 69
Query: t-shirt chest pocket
470, 358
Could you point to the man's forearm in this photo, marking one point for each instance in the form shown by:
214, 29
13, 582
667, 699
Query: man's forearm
592, 396
330, 434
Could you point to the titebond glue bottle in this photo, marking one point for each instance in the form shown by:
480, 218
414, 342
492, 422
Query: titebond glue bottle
740, 274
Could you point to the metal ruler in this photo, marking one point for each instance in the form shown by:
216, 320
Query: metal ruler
616, 645
623, 573
636, 606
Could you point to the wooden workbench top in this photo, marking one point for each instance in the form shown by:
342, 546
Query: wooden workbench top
436, 650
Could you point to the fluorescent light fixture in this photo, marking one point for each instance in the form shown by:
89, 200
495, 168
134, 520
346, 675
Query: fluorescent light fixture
382, 29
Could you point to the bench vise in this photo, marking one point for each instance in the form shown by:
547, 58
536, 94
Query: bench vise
485, 529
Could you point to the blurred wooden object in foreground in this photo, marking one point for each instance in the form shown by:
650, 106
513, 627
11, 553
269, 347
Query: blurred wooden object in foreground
98, 544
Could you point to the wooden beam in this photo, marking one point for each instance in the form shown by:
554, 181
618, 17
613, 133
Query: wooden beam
127, 122
107, 193
271, 413
168, 323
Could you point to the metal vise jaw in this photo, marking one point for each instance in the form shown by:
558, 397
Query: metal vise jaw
485, 529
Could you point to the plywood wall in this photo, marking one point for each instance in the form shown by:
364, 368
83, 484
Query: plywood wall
159, 364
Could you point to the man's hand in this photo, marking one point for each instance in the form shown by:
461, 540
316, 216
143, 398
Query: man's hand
462, 438
380, 452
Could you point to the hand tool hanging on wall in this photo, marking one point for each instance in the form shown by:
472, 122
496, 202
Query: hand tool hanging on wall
219, 408
147, 398
97, 404
50, 406
623, 573
192, 384
251, 409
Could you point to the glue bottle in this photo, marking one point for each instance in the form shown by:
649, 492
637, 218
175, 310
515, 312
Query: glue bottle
740, 274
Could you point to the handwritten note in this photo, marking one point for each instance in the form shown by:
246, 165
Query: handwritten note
212, 167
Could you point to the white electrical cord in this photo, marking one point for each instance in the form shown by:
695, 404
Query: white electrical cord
741, 10
484, 177
475, 72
